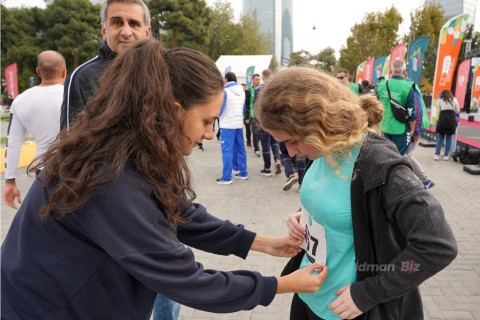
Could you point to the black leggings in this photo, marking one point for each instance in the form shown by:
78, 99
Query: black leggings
300, 311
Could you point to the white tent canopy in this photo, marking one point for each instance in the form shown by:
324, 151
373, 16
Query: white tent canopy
239, 64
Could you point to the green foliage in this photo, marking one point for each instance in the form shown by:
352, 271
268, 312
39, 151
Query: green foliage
187, 20
324, 60
225, 37
73, 29
374, 36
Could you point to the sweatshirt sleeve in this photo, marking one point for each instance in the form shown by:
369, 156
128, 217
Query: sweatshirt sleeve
130, 226
210, 234
430, 245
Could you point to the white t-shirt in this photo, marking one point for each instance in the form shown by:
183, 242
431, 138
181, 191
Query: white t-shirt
37, 111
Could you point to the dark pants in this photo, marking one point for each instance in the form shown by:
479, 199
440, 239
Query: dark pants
287, 163
255, 130
268, 142
300, 311
248, 131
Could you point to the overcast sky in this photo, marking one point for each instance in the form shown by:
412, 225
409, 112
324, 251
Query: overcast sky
332, 21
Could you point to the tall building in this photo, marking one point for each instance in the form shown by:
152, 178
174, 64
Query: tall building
453, 8
275, 19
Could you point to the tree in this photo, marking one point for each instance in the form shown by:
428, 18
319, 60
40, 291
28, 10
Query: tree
184, 17
326, 59
73, 29
227, 37
375, 35
19, 41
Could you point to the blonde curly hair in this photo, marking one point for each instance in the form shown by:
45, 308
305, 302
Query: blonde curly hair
315, 108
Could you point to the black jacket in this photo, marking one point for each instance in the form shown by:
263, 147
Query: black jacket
401, 237
82, 83
108, 259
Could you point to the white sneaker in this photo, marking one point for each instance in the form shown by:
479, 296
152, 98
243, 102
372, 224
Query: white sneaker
435, 157
235, 172
445, 158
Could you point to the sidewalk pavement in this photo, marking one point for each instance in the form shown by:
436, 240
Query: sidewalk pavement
260, 204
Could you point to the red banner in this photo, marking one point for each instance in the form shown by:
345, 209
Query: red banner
398, 53
463, 73
11, 80
368, 69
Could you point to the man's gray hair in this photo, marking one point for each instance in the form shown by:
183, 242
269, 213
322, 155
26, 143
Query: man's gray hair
398, 66
106, 3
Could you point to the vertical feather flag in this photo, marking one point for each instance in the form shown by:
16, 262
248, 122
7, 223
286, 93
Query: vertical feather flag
463, 73
449, 44
416, 56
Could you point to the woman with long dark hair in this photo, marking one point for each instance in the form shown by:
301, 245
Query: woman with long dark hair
446, 124
103, 227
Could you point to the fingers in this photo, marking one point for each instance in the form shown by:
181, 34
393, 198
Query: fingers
295, 230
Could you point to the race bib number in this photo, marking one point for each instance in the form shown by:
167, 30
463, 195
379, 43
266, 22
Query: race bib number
315, 242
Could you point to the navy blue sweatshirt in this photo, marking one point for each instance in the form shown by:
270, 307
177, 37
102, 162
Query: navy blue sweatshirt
108, 259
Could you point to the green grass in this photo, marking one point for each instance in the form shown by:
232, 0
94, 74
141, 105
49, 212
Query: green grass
3, 140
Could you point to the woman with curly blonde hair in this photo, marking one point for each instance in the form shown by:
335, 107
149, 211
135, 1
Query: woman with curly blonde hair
364, 213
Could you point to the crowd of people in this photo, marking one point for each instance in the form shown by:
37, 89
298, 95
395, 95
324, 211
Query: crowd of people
106, 228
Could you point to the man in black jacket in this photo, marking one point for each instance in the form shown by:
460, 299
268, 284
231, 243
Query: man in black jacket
122, 23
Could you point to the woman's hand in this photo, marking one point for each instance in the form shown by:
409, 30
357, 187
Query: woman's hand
276, 246
303, 280
295, 230
343, 306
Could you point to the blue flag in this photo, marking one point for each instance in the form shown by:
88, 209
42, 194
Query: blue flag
416, 56
378, 69
249, 75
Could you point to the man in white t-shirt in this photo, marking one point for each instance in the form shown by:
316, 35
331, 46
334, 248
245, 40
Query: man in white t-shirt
36, 111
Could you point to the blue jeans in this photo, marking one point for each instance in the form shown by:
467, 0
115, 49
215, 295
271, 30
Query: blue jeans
268, 142
165, 309
448, 143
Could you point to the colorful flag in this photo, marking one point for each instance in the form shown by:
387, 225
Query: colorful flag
359, 73
463, 73
449, 44
11, 80
368, 69
475, 97
386, 68
416, 56
398, 53
249, 75
378, 68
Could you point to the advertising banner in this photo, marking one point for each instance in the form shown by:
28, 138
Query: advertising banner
416, 56
449, 44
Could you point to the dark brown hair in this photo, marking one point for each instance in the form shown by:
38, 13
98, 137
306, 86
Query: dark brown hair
132, 118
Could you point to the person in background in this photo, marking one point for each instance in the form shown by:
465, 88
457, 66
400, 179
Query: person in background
250, 116
401, 92
268, 142
231, 126
35, 111
342, 76
364, 212
447, 123
113, 206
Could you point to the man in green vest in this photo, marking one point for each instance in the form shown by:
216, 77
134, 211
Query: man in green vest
249, 118
402, 92
342, 76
